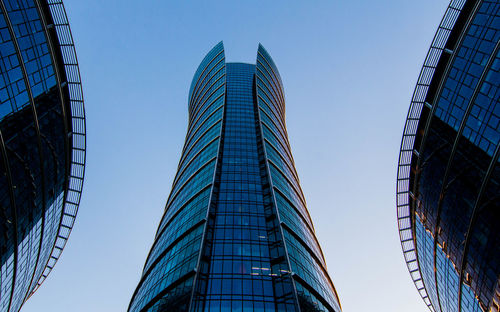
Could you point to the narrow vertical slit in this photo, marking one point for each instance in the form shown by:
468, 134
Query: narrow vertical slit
284, 291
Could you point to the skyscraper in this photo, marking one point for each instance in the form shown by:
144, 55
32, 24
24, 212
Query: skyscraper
448, 191
235, 234
42, 144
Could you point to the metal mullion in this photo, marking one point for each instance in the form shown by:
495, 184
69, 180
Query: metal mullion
281, 119
285, 161
273, 94
271, 79
299, 212
161, 293
201, 102
283, 134
316, 294
287, 151
271, 66
272, 188
194, 115
202, 77
320, 261
488, 172
78, 178
173, 197
151, 266
306, 285
206, 79
427, 61
292, 184
212, 190
12, 199
195, 131
184, 155
273, 82
161, 229
174, 284
457, 138
472, 222
190, 136
195, 87
37, 130
275, 78
280, 127
66, 130
261, 77
195, 156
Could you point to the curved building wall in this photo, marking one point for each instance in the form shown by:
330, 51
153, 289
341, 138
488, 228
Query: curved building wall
42, 143
168, 276
313, 285
237, 269
236, 213
452, 168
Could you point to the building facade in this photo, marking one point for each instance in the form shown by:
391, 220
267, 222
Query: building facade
448, 188
42, 144
236, 234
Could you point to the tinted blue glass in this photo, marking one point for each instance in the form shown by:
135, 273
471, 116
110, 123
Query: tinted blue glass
240, 275
167, 278
454, 177
314, 288
227, 221
36, 124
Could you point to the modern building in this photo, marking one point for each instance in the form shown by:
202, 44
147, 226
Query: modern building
448, 187
42, 144
235, 234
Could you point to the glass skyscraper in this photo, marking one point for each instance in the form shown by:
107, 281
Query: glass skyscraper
42, 144
448, 188
236, 234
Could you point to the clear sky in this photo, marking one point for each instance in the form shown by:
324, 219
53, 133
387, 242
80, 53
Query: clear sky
349, 69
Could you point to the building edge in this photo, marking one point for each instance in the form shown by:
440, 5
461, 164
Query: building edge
404, 194
65, 60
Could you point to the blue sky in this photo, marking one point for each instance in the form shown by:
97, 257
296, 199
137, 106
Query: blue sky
349, 69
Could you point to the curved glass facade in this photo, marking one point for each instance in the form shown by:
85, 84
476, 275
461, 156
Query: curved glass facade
236, 234
449, 171
42, 144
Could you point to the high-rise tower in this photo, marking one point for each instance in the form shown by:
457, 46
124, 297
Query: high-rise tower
236, 234
42, 144
448, 188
